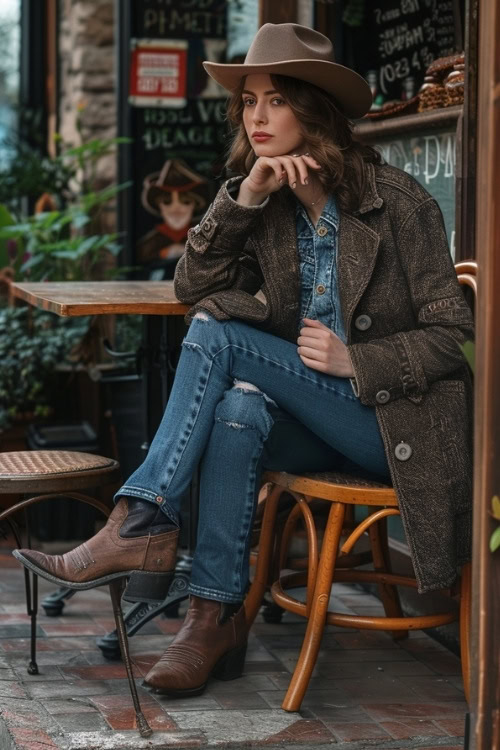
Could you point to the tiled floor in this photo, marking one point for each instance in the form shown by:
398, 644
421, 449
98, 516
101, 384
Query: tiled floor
366, 690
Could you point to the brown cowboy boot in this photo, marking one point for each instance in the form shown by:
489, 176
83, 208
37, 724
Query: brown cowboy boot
211, 642
138, 541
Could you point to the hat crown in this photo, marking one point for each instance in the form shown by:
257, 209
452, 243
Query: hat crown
275, 42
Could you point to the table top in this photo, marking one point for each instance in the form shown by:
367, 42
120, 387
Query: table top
72, 298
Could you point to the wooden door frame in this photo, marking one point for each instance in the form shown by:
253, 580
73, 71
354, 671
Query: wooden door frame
485, 635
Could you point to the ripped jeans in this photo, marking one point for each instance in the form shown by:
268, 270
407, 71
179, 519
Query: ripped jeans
242, 401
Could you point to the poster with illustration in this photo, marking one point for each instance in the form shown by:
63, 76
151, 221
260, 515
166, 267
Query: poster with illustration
178, 197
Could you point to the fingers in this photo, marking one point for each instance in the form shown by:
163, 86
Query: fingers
288, 166
311, 352
314, 364
296, 166
311, 323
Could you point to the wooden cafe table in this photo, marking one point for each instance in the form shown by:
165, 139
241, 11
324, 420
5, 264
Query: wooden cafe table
163, 330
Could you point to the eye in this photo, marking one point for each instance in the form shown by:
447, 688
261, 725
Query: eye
277, 101
248, 102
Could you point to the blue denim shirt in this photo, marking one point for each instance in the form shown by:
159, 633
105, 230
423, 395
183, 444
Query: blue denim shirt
317, 247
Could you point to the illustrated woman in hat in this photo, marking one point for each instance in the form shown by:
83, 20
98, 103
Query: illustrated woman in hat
177, 195
325, 334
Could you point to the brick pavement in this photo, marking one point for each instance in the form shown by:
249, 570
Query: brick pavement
366, 691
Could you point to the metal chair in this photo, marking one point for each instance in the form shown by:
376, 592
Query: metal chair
34, 476
344, 492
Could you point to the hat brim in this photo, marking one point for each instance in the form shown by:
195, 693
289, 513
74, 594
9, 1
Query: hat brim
350, 90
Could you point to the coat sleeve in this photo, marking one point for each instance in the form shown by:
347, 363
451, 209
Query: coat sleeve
218, 253
406, 363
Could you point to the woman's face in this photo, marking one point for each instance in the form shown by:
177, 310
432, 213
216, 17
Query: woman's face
270, 124
178, 212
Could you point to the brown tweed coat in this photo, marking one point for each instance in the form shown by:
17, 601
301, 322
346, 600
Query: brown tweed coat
394, 270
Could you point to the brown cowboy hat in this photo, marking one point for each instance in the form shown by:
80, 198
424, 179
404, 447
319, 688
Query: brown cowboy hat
300, 52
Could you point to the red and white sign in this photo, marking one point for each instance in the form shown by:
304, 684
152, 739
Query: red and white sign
158, 70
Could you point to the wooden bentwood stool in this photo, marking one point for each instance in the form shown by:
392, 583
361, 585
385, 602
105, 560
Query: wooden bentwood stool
36, 476
344, 492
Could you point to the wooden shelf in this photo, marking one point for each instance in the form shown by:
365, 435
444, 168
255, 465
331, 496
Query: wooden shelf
368, 130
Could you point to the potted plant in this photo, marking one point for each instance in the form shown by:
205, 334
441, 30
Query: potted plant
32, 344
60, 240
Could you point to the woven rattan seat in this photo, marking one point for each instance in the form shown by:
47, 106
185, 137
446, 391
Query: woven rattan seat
336, 485
51, 471
347, 480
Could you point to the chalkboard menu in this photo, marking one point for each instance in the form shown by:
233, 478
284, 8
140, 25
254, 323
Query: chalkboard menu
400, 38
430, 158
174, 113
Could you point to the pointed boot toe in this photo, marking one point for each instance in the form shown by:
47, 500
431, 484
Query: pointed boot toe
148, 560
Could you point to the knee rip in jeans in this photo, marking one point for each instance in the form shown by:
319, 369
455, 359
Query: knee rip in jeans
243, 387
201, 316
247, 387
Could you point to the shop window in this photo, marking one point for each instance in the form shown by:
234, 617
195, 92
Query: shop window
9, 77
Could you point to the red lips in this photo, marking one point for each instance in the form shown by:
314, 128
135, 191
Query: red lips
261, 136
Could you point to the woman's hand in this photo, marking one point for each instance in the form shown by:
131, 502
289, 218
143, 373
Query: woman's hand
321, 349
270, 173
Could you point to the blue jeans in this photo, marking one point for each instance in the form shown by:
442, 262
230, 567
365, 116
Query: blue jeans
243, 401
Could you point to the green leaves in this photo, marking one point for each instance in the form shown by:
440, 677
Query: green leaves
469, 351
495, 537
63, 243
56, 243
32, 344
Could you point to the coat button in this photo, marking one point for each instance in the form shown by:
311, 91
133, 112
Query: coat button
159, 499
363, 322
403, 451
322, 230
382, 397
320, 289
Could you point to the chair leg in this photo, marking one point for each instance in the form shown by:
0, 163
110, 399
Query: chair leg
260, 582
465, 612
319, 608
382, 562
115, 589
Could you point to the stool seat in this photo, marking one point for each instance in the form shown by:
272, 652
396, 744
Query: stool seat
27, 471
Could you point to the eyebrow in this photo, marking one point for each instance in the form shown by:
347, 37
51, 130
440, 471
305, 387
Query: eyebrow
266, 93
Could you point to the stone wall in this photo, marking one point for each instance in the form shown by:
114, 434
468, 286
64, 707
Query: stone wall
87, 74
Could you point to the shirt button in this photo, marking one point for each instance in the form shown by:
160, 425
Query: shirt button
363, 322
382, 397
320, 289
322, 231
403, 451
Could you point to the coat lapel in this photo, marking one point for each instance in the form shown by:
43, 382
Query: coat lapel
357, 253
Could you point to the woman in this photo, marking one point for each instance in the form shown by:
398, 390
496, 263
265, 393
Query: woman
326, 330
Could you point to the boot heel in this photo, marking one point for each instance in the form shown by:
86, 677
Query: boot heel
148, 587
230, 665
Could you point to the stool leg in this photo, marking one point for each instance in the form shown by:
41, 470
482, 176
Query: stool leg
465, 612
381, 562
115, 589
319, 609
31, 587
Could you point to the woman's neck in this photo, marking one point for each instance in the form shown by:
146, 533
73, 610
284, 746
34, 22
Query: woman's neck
313, 197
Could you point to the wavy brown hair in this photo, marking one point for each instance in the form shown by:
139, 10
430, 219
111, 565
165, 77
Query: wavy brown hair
328, 135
